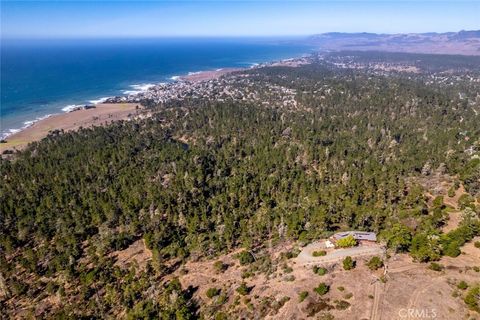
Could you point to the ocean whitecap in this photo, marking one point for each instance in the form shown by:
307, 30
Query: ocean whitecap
143, 86
139, 88
26, 125
29, 123
8, 133
100, 100
71, 107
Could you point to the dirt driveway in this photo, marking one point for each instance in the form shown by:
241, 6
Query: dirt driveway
306, 258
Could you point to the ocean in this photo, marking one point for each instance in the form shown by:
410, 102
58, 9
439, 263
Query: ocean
44, 77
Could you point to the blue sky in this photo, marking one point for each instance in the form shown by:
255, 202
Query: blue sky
68, 19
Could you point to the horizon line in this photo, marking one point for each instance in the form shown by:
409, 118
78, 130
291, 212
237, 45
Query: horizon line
132, 37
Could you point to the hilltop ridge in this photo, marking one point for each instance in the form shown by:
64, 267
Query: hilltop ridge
464, 42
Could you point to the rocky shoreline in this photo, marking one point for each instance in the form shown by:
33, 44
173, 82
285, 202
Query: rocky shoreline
217, 84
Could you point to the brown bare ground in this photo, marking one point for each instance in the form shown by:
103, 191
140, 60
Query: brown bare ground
438, 184
137, 253
208, 75
453, 201
409, 285
429, 291
359, 283
455, 217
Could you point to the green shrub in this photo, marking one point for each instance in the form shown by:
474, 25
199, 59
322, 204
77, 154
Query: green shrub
245, 257
465, 201
462, 285
219, 266
292, 253
346, 242
451, 192
425, 247
453, 240
471, 299
302, 295
320, 270
243, 289
348, 263
477, 244
375, 263
212, 292
18, 287
144, 309
247, 274
314, 307
452, 249
438, 201
320, 253
221, 299
348, 295
287, 269
221, 316
435, 266
342, 305
322, 289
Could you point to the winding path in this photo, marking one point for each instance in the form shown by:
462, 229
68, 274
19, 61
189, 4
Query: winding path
376, 301
376, 311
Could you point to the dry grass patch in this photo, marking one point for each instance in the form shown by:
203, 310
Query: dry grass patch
137, 253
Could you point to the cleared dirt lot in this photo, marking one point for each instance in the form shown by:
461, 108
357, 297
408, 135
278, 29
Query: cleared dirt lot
358, 289
333, 255
413, 286
408, 286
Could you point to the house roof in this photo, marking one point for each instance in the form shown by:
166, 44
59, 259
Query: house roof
357, 235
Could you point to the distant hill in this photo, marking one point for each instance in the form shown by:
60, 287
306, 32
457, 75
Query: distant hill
462, 42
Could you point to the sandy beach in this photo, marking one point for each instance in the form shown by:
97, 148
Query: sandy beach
103, 113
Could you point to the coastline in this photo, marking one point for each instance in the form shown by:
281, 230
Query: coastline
108, 109
207, 74
133, 90
66, 109
100, 114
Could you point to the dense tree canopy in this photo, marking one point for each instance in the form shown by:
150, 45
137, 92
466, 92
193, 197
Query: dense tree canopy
204, 176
